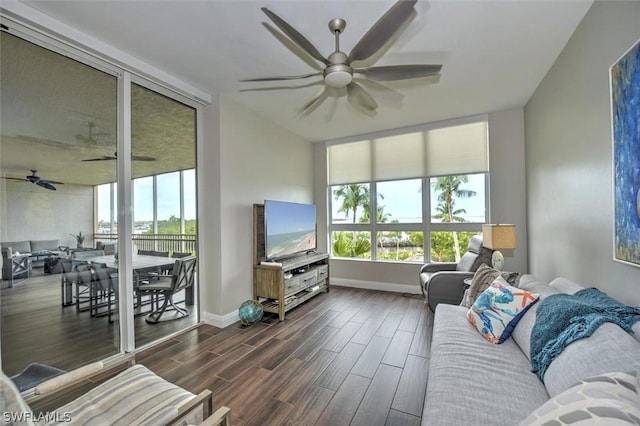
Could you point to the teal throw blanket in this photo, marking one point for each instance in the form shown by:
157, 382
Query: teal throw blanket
562, 319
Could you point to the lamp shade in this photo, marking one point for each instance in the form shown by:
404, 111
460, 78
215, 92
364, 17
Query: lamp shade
499, 236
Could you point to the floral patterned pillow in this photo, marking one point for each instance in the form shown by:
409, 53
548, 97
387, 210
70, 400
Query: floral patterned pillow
497, 310
482, 279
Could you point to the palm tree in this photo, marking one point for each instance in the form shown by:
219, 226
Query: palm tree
350, 244
353, 196
449, 188
383, 217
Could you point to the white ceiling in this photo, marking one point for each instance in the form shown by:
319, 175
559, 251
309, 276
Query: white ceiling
494, 53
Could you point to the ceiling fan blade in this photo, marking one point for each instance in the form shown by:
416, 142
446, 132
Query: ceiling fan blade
293, 47
258, 89
385, 92
382, 30
19, 179
45, 184
313, 103
359, 97
142, 158
294, 35
399, 72
103, 158
53, 182
284, 77
115, 157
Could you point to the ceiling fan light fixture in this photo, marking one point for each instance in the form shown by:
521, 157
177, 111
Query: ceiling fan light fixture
338, 79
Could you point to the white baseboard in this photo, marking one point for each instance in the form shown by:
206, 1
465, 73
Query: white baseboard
376, 285
221, 321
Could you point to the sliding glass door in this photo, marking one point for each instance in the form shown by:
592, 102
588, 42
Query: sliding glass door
61, 201
163, 153
58, 126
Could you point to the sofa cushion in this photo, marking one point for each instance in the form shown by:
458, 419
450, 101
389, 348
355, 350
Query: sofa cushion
470, 379
522, 333
612, 398
498, 309
564, 285
608, 349
482, 279
18, 246
44, 245
135, 396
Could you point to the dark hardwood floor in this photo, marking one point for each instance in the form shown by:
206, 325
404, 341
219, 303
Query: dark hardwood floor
36, 328
351, 356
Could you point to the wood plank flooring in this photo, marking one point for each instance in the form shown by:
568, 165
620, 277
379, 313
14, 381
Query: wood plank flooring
36, 328
349, 357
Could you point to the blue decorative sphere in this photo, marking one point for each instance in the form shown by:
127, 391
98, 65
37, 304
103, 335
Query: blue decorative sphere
250, 312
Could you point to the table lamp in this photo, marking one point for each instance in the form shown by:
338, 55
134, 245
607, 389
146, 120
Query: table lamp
498, 237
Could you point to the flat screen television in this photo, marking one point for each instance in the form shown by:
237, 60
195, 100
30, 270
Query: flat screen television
290, 228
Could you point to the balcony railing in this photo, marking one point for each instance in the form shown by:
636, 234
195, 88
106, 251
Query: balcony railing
159, 242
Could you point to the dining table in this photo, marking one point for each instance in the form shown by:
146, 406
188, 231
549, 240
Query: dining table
142, 265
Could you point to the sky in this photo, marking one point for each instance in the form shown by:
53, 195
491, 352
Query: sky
402, 200
168, 197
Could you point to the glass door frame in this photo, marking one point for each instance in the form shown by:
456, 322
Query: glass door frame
125, 78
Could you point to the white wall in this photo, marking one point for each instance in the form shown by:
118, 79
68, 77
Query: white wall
507, 192
35, 213
569, 157
249, 159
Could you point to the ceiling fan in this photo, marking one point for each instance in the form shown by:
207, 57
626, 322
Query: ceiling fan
115, 157
37, 180
339, 72
91, 138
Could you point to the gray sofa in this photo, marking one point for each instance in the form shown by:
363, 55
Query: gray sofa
474, 382
31, 247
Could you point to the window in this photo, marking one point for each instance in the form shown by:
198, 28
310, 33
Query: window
426, 183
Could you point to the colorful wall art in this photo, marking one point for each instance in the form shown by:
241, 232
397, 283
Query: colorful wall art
625, 116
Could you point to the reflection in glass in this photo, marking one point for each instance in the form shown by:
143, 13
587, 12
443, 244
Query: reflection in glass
56, 112
163, 142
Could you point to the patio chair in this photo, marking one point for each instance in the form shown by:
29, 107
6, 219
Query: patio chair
167, 286
178, 255
20, 267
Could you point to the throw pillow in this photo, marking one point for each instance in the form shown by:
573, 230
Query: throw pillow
612, 398
482, 279
498, 309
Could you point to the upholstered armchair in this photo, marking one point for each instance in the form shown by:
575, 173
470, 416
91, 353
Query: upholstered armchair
443, 282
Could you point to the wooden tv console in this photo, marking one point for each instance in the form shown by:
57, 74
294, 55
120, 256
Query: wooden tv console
282, 286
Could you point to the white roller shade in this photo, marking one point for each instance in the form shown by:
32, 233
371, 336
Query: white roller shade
457, 150
453, 150
399, 157
349, 163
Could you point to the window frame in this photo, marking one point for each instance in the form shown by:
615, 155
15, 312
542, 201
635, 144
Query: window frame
426, 226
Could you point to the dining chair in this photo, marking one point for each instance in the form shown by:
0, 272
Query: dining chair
178, 254
167, 286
